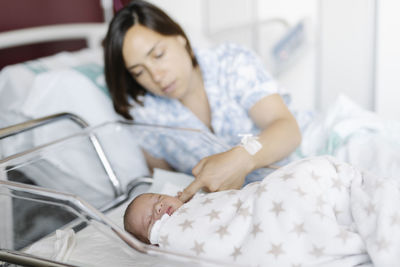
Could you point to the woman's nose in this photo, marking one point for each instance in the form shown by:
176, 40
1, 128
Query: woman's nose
157, 74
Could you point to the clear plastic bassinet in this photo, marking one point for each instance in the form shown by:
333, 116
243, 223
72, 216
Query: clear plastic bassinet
63, 193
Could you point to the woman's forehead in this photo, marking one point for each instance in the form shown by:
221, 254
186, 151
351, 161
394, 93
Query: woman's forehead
141, 37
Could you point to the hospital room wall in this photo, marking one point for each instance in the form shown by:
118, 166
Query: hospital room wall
350, 46
346, 51
387, 81
359, 55
258, 24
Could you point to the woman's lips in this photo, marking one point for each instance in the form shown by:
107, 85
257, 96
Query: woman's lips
169, 88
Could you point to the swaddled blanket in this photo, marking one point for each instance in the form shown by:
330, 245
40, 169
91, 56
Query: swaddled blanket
313, 212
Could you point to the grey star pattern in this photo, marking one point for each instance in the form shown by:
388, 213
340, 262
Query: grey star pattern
300, 191
277, 208
370, 209
261, 189
320, 201
315, 177
336, 211
317, 251
164, 241
182, 210
232, 192
299, 229
344, 235
276, 250
320, 213
207, 201
287, 176
238, 204
382, 244
186, 224
244, 212
256, 229
198, 248
236, 252
222, 231
337, 183
378, 184
395, 220
214, 215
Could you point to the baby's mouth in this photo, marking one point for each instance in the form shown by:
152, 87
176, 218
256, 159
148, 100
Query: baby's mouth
170, 211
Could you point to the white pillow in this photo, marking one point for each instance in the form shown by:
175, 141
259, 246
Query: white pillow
69, 90
16, 80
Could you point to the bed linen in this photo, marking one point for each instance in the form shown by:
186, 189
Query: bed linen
95, 246
312, 212
354, 135
16, 80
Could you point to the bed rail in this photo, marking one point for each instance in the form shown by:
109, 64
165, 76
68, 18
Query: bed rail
35, 123
93, 33
23, 259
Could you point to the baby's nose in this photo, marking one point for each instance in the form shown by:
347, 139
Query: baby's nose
158, 207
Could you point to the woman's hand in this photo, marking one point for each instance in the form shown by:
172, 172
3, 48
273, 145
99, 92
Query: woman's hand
218, 172
279, 137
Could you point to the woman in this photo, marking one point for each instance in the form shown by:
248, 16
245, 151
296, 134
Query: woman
154, 76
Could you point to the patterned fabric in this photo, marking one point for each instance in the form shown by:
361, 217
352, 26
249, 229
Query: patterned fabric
234, 80
312, 212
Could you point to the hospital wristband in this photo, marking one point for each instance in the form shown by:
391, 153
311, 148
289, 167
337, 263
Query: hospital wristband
250, 143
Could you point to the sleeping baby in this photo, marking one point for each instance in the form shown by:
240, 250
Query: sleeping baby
145, 210
315, 211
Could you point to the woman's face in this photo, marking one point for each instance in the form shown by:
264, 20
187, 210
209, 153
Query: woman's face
161, 64
148, 208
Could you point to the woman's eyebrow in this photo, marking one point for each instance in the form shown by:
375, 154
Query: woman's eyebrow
147, 54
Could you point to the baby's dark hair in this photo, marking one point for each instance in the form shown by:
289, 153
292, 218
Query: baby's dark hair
127, 224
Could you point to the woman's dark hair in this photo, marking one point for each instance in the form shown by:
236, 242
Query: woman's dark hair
120, 82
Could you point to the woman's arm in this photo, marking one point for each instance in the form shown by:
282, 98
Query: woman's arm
153, 162
280, 133
280, 136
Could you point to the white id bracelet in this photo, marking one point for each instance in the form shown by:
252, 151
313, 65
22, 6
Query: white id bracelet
250, 143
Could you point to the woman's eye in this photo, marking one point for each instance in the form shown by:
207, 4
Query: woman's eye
159, 54
137, 73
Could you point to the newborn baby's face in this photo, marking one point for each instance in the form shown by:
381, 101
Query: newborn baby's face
147, 209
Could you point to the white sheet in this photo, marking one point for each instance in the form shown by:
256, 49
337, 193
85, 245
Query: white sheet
354, 135
93, 248
16, 80
314, 212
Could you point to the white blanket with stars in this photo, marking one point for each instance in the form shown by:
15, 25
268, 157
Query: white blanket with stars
313, 212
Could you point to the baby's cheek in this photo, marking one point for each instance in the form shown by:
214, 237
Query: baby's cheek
148, 230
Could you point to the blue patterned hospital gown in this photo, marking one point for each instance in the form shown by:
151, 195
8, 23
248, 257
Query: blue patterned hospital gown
235, 79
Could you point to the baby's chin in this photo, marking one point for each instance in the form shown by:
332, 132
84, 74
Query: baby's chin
155, 227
